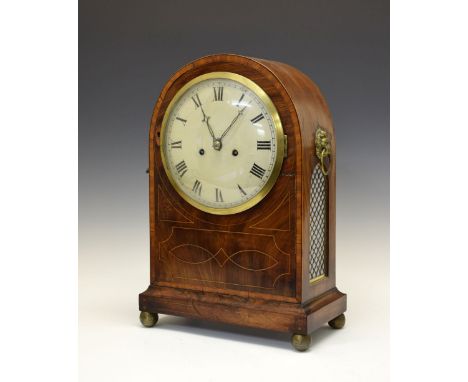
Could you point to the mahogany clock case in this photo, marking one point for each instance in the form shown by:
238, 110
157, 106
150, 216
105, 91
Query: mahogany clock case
250, 268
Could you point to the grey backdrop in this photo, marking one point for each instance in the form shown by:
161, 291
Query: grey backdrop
127, 50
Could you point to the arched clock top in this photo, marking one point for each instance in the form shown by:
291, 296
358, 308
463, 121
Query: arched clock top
264, 244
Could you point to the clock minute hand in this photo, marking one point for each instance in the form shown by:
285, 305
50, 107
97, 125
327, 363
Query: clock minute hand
233, 122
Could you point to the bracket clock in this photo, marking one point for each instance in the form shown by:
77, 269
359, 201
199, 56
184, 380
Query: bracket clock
242, 199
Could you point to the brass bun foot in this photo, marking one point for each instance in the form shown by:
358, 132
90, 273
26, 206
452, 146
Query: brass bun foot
300, 342
148, 319
338, 322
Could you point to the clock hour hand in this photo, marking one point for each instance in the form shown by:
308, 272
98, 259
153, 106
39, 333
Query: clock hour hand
206, 119
216, 141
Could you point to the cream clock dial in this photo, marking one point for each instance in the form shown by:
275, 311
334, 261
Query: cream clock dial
222, 143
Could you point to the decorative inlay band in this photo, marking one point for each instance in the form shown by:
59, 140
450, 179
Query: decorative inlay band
221, 257
250, 260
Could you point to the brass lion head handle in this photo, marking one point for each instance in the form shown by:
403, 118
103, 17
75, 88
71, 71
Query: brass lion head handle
322, 149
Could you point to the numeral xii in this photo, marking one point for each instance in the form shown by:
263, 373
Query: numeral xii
218, 93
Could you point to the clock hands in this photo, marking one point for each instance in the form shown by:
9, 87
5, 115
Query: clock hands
216, 142
239, 113
207, 120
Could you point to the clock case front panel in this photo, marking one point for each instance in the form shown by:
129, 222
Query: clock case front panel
250, 268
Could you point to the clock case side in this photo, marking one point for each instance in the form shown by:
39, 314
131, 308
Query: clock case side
313, 113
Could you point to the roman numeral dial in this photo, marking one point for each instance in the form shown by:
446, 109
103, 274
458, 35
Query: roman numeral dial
239, 103
196, 100
219, 195
263, 145
257, 119
197, 187
257, 171
241, 190
181, 168
218, 93
184, 121
176, 145
220, 143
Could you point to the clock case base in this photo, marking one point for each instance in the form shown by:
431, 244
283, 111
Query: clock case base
278, 316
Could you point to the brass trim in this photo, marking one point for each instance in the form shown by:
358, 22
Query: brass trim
279, 139
317, 279
322, 148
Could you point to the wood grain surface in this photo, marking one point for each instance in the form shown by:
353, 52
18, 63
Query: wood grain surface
249, 268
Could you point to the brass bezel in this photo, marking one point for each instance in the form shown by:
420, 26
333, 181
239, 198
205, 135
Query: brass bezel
279, 139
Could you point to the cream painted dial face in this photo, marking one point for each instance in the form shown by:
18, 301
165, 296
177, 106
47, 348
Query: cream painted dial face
220, 144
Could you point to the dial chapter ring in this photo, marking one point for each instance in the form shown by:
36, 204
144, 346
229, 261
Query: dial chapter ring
279, 136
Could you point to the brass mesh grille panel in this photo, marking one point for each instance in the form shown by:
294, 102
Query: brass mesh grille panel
318, 224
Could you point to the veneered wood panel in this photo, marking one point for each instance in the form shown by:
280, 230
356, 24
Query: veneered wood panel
259, 255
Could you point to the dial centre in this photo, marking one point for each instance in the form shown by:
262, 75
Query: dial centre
217, 144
